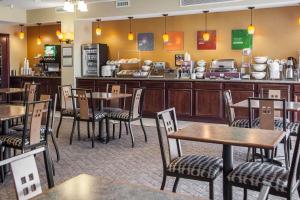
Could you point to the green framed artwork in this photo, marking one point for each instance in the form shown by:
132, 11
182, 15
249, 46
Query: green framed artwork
240, 39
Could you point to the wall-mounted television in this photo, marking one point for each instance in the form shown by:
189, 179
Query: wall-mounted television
50, 50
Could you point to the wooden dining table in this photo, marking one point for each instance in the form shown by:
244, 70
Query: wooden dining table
89, 187
8, 91
290, 105
228, 137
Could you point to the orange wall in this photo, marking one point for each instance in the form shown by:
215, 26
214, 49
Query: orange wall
277, 34
48, 36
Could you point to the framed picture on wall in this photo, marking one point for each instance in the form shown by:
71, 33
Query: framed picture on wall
176, 41
211, 44
145, 41
240, 39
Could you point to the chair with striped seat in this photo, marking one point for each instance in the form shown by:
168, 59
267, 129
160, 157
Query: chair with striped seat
230, 114
133, 114
195, 167
253, 175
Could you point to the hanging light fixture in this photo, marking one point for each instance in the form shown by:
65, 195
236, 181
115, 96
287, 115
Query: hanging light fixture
21, 33
130, 34
206, 35
299, 18
98, 29
59, 34
165, 35
70, 5
38, 40
251, 28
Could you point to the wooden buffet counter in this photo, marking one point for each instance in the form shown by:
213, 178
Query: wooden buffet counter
195, 100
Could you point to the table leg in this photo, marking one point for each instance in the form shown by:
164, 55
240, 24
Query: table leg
101, 129
49, 167
227, 168
7, 151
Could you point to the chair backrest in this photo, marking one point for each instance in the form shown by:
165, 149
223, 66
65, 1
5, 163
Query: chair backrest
267, 112
30, 92
117, 89
136, 108
25, 173
271, 94
230, 114
168, 117
294, 174
64, 91
53, 109
33, 121
83, 101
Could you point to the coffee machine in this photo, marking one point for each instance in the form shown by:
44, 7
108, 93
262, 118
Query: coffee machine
291, 71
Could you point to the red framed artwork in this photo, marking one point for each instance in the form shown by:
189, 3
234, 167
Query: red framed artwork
175, 42
211, 44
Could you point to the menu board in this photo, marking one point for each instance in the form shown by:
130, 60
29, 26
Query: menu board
241, 39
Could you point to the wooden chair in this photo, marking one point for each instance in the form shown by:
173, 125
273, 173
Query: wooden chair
195, 167
31, 136
253, 175
116, 105
133, 114
87, 112
267, 121
25, 173
65, 99
230, 114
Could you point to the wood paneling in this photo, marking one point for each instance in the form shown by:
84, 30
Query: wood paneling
154, 100
181, 99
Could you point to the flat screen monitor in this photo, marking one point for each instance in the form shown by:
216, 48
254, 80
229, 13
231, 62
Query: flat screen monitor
50, 50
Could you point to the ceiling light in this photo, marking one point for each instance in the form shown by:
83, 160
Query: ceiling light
206, 35
98, 29
21, 33
70, 5
251, 27
39, 40
165, 35
130, 34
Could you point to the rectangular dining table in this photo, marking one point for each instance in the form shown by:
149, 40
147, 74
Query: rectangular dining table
290, 105
89, 187
228, 137
8, 91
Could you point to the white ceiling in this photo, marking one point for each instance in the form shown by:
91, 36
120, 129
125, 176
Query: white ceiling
36, 4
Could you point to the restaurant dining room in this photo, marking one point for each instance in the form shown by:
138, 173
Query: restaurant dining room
149, 100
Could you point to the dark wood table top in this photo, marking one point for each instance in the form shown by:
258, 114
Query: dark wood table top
11, 90
107, 96
221, 134
11, 111
290, 105
89, 187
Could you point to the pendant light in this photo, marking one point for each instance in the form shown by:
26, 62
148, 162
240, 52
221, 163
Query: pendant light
38, 40
251, 28
58, 31
98, 29
165, 35
206, 35
21, 33
130, 34
299, 18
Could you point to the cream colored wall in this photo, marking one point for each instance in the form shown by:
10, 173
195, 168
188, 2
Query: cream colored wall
18, 47
277, 34
12, 15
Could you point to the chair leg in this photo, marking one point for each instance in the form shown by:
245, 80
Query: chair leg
78, 129
286, 149
245, 194
163, 183
126, 126
72, 132
55, 146
248, 155
175, 184
114, 130
88, 129
107, 130
143, 130
2, 168
58, 128
130, 131
93, 134
211, 190
120, 129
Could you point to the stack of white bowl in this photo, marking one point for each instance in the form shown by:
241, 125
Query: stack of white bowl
259, 67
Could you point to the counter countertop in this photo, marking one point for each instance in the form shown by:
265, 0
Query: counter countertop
23, 76
193, 80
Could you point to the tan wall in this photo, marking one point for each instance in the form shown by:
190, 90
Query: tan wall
48, 36
18, 47
277, 34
